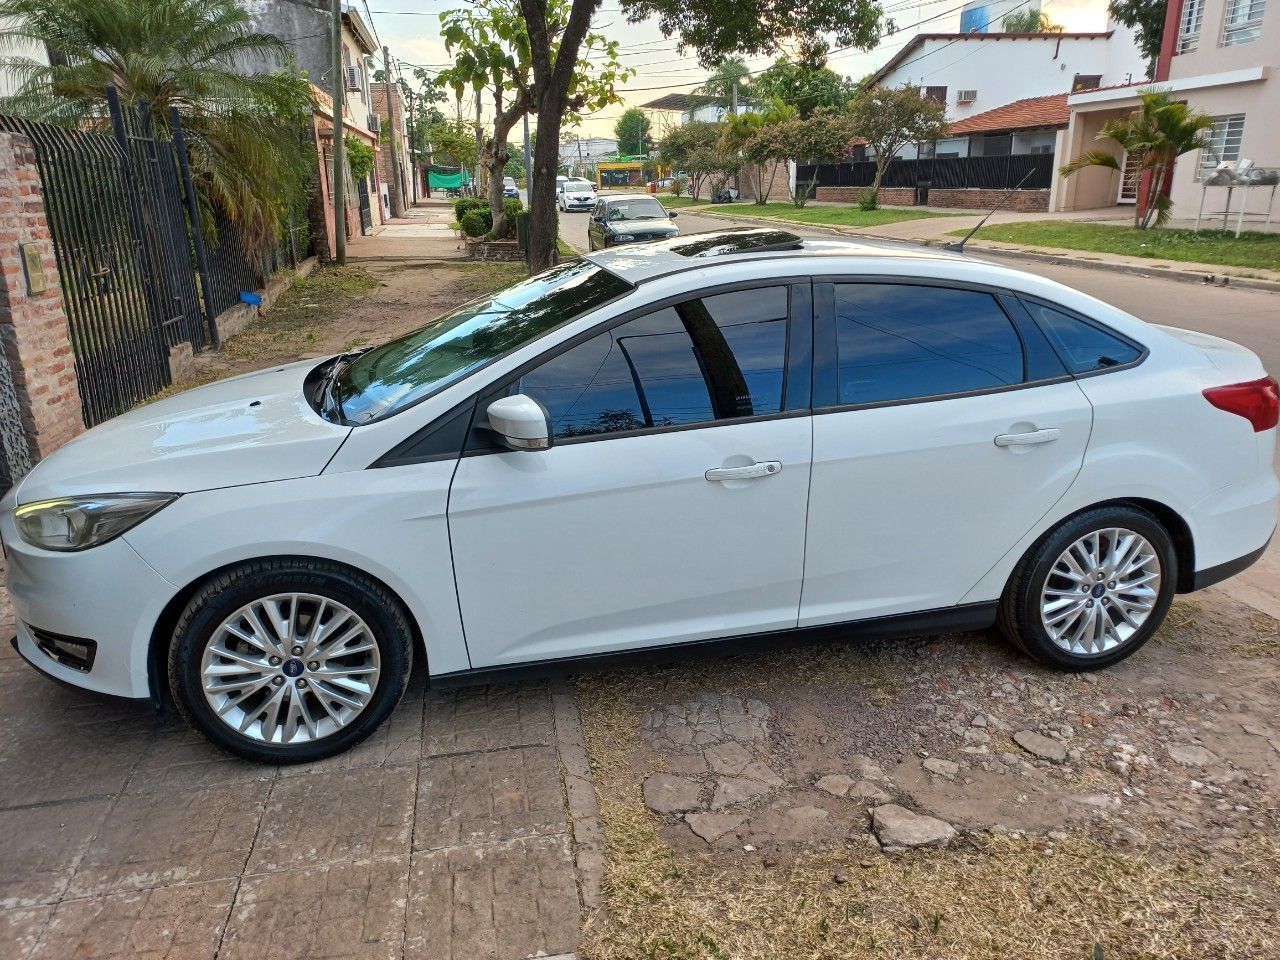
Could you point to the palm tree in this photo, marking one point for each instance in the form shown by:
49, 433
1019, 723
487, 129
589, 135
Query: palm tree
1153, 137
730, 73
166, 53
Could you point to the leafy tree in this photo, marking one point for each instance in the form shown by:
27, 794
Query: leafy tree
359, 158
716, 28
694, 148
496, 45
1030, 21
820, 138
1155, 135
1146, 18
750, 135
167, 53
889, 118
453, 143
729, 74
632, 131
515, 164
806, 82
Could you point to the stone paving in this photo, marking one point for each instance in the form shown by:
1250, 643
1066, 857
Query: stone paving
444, 836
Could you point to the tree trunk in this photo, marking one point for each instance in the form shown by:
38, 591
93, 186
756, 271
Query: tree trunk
543, 221
495, 163
881, 169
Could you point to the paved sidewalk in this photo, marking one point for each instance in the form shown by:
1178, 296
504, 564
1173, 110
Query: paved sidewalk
423, 233
444, 836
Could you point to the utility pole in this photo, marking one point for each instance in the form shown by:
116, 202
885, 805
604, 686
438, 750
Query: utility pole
528, 163
337, 186
412, 127
733, 93
397, 185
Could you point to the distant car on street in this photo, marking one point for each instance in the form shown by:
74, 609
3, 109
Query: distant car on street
629, 218
575, 193
509, 188
714, 441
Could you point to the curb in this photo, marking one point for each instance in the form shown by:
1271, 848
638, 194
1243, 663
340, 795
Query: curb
585, 828
1205, 276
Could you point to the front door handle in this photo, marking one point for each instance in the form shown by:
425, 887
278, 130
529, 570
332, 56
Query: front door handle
1047, 435
752, 470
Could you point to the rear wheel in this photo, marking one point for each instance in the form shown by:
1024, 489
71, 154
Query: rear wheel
289, 660
1093, 590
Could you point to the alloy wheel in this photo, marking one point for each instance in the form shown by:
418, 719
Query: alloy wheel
1100, 591
290, 668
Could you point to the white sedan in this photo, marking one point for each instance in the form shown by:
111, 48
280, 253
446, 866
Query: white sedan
729, 437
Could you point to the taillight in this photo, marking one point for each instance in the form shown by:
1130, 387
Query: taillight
1258, 401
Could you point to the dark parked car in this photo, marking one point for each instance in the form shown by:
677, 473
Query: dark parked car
631, 218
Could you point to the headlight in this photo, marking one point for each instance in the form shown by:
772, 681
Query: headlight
78, 523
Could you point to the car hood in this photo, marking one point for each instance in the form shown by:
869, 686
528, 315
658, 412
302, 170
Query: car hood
647, 228
249, 429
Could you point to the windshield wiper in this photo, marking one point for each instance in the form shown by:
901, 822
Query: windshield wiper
330, 400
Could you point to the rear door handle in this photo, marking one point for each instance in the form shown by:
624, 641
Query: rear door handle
1047, 435
752, 470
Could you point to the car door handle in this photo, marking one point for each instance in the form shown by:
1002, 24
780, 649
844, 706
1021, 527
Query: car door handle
1047, 435
752, 470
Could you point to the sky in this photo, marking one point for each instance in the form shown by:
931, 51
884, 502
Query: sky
411, 29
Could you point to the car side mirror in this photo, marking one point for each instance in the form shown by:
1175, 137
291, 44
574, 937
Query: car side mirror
598, 218
671, 214
520, 422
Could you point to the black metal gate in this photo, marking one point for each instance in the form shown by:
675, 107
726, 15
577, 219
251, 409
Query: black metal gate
366, 211
122, 234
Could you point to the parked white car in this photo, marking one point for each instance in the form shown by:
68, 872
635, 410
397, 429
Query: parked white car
721, 437
575, 193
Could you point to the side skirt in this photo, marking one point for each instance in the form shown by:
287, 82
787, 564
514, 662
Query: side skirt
974, 616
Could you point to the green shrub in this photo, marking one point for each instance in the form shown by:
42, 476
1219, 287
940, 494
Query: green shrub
511, 207
677, 186
867, 200
462, 205
476, 223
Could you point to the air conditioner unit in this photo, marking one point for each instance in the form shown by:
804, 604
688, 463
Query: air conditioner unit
375, 123
966, 96
353, 78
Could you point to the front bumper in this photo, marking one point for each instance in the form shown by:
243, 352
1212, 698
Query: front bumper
108, 595
579, 204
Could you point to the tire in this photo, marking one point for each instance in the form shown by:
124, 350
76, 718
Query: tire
345, 687
1068, 618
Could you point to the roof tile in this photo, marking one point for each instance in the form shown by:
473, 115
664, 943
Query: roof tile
1030, 114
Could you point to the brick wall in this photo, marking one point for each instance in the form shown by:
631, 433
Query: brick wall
1026, 201
391, 118
779, 189
33, 326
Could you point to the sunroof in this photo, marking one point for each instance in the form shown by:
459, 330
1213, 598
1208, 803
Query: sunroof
743, 240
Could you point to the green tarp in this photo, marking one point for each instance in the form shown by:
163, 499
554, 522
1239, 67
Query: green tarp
448, 178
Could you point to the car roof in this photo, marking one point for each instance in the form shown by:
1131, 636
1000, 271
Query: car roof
629, 196
660, 258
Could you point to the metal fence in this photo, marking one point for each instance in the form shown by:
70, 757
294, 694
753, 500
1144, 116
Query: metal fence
139, 274
942, 173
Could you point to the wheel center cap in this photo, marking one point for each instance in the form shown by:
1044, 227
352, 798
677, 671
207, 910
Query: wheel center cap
1098, 590
292, 667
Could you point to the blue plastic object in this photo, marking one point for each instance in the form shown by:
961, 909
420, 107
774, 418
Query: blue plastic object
253, 299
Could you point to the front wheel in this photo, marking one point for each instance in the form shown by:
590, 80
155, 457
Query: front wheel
1093, 590
289, 660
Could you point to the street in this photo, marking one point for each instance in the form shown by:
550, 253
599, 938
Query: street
1247, 316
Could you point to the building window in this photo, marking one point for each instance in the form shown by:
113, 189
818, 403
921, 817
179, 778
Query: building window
1224, 142
1243, 22
936, 94
1086, 81
1189, 26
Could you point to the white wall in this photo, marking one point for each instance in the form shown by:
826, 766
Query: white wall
1005, 70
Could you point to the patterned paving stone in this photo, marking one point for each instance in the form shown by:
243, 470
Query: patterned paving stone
181, 759
20, 930
40, 848
353, 911
336, 817
484, 798
487, 718
166, 923
61, 744
504, 901
178, 836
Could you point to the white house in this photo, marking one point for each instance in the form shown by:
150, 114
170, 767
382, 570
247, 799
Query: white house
581, 152
973, 73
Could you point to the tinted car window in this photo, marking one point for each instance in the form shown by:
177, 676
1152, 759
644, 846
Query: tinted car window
899, 342
704, 360
1082, 346
641, 208
386, 379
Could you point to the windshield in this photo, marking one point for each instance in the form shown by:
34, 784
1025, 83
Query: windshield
579, 185
387, 379
642, 208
